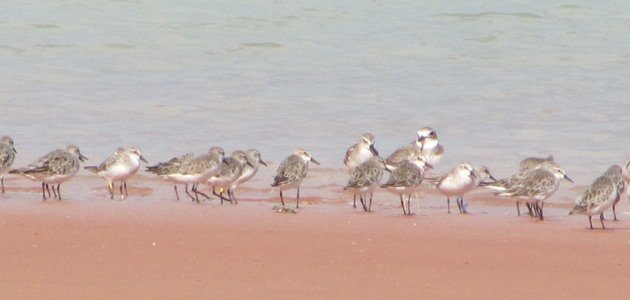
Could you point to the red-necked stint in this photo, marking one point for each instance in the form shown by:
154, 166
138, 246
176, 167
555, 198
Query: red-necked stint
365, 178
359, 153
406, 180
53, 168
535, 187
292, 171
119, 167
7, 156
190, 169
598, 197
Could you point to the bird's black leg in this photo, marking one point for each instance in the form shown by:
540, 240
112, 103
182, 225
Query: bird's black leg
110, 188
202, 194
190, 195
402, 203
363, 202
176, 194
43, 191
54, 192
58, 191
448, 204
232, 196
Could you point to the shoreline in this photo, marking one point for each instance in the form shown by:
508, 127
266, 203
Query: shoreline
145, 248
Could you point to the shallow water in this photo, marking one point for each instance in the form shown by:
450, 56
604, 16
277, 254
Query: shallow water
499, 82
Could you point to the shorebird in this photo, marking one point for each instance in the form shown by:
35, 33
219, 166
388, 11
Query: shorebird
614, 172
53, 168
164, 169
525, 167
536, 187
426, 145
598, 197
292, 171
190, 169
359, 153
406, 180
7, 156
365, 178
254, 160
123, 164
231, 170
535, 162
626, 170
459, 181
430, 148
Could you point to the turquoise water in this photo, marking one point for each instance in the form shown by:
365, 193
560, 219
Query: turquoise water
499, 82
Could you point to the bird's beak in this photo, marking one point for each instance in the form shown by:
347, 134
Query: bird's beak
568, 179
472, 174
14, 151
263, 163
143, 159
373, 150
82, 158
429, 166
493, 179
249, 164
316, 162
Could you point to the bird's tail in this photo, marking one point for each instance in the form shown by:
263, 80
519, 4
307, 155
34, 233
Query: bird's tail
498, 186
92, 169
577, 210
433, 181
152, 169
17, 171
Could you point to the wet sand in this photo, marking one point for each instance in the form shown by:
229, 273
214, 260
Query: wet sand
149, 246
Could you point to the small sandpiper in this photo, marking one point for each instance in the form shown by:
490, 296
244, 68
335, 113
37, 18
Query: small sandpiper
53, 168
291, 172
119, 167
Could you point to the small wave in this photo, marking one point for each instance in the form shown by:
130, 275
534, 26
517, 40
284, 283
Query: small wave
484, 39
262, 45
11, 49
484, 15
120, 45
53, 46
570, 6
45, 26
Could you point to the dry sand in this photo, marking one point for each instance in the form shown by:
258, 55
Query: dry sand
147, 248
